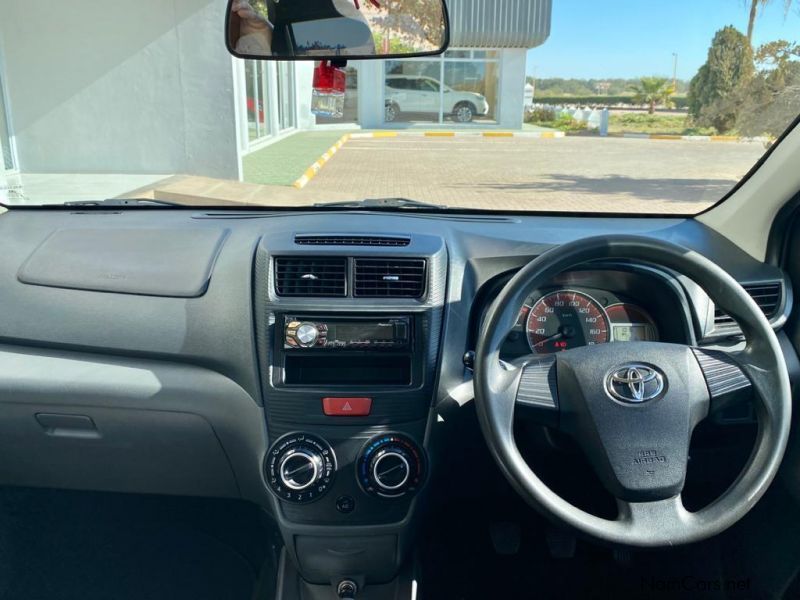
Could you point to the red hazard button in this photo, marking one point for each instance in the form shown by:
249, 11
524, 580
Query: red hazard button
347, 407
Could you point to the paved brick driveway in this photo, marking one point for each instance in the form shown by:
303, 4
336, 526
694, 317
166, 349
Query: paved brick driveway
573, 173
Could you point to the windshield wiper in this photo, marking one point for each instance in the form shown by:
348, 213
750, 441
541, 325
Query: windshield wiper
123, 202
403, 203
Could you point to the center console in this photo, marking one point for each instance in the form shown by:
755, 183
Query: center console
348, 341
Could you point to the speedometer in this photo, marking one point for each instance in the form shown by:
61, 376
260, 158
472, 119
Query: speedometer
566, 319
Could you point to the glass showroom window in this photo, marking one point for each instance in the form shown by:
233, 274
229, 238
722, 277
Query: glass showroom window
256, 85
286, 102
414, 92
6, 158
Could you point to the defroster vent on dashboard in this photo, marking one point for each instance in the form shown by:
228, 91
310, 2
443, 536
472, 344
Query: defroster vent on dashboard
389, 278
320, 277
351, 240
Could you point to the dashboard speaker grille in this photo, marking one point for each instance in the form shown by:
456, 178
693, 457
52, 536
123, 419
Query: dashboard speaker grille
768, 297
351, 240
320, 277
389, 278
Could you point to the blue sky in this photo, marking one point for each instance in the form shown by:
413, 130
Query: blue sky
632, 38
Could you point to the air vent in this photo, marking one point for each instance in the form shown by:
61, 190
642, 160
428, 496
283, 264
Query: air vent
766, 295
389, 278
311, 277
351, 240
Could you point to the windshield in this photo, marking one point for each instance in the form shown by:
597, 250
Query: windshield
627, 107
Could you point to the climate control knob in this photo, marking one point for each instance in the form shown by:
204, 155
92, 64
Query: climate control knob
300, 467
390, 470
391, 466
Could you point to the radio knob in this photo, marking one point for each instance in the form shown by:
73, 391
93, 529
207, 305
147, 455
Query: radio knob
300, 469
306, 335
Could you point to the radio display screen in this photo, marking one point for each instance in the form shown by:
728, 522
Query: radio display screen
360, 331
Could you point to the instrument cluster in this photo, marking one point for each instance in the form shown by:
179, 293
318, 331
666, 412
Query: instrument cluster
587, 308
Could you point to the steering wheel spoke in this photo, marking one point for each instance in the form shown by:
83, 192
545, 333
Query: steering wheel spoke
537, 390
643, 518
725, 378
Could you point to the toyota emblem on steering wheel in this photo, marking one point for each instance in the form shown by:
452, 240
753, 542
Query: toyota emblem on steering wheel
635, 383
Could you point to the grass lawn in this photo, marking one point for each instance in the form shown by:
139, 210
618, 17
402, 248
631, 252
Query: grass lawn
663, 124
283, 162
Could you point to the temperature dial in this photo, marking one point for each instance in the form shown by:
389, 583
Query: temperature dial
391, 466
300, 467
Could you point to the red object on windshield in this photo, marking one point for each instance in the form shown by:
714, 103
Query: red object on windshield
329, 79
373, 2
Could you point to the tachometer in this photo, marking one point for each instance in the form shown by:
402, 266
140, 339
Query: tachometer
566, 319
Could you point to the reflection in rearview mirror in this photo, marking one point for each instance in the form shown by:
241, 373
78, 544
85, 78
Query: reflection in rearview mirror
336, 29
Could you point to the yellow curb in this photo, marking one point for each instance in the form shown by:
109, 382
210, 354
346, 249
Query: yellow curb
384, 134
440, 134
663, 136
548, 135
317, 165
498, 134
724, 138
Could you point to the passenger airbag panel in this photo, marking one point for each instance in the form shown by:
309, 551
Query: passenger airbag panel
148, 261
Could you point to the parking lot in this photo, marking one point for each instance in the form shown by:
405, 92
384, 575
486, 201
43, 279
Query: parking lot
570, 174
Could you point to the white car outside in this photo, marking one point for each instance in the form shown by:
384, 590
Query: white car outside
421, 94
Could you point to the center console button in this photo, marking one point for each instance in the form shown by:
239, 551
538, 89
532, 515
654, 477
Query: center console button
345, 504
347, 407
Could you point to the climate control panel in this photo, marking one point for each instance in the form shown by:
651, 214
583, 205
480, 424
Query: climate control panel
391, 466
300, 467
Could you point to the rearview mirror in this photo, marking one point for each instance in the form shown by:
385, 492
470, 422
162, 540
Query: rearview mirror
336, 29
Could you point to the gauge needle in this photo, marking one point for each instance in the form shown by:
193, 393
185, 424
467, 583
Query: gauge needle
550, 339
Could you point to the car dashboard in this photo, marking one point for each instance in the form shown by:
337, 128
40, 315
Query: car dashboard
304, 361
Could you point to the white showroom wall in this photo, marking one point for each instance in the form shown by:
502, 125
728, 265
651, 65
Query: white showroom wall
126, 87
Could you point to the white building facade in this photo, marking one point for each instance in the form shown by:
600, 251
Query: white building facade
151, 83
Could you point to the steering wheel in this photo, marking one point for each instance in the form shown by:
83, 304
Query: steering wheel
632, 406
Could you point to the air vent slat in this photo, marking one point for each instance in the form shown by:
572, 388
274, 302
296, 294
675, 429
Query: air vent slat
311, 277
352, 240
767, 297
389, 278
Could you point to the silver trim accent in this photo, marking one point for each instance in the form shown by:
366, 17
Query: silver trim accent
390, 488
629, 383
286, 477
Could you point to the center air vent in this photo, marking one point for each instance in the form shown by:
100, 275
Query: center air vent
311, 277
351, 240
766, 295
389, 278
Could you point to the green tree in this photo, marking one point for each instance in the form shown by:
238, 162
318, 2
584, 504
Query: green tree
777, 62
411, 19
755, 7
728, 69
772, 99
653, 91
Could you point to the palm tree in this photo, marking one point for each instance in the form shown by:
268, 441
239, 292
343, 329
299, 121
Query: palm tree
653, 91
755, 5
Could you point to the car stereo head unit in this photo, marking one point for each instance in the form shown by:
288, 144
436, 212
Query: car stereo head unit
346, 333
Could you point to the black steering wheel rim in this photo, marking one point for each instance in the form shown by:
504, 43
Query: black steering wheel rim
662, 522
